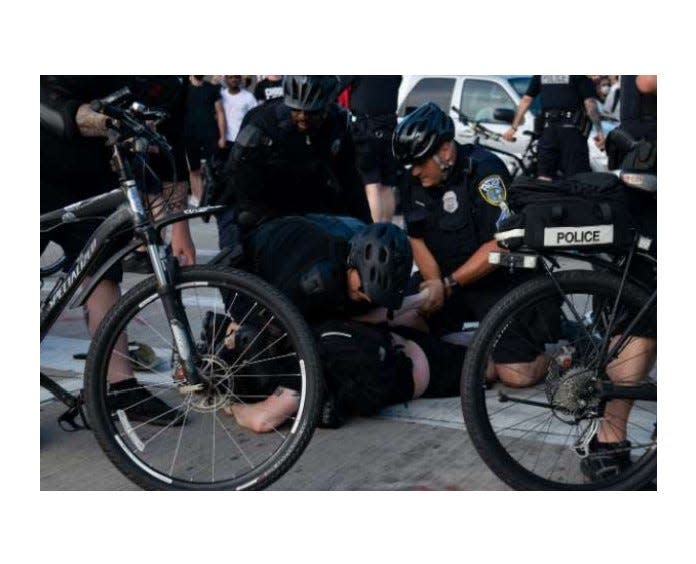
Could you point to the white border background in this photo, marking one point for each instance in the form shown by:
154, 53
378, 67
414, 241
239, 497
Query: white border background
364, 37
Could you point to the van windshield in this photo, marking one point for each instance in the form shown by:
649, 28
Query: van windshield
520, 84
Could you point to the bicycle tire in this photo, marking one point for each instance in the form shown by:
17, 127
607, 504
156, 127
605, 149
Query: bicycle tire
284, 447
489, 441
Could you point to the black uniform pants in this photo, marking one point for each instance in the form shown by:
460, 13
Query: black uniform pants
562, 147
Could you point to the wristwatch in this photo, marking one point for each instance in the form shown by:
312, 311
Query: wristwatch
449, 281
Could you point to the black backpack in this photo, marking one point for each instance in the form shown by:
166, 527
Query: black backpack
587, 211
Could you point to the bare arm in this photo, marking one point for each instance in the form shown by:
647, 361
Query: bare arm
477, 266
220, 118
519, 116
90, 123
424, 259
593, 114
521, 110
647, 83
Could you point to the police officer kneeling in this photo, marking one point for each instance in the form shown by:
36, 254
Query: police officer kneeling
451, 230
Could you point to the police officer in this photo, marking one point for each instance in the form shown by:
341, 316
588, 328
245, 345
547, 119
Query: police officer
610, 450
75, 166
332, 280
373, 100
324, 274
567, 103
451, 229
293, 156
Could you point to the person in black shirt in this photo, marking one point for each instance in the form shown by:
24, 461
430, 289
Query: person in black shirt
373, 100
75, 165
335, 281
451, 228
204, 128
638, 97
269, 88
293, 156
567, 102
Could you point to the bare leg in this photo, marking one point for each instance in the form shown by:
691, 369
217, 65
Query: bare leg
523, 374
421, 368
196, 184
266, 415
632, 365
105, 295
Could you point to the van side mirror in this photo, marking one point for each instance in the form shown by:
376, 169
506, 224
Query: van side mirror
504, 114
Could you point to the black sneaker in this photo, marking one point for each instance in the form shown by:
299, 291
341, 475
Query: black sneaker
140, 405
331, 416
606, 460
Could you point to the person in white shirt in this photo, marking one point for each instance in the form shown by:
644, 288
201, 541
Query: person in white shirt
236, 102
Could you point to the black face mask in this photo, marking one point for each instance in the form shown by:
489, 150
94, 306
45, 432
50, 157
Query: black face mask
198, 76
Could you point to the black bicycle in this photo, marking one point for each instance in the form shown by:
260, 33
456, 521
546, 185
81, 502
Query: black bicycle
522, 165
596, 326
201, 339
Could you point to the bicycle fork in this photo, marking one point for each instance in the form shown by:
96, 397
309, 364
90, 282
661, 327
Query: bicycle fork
165, 269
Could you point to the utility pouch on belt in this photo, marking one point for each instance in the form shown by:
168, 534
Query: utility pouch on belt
587, 211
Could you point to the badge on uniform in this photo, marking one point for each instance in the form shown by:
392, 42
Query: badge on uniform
335, 147
492, 190
449, 202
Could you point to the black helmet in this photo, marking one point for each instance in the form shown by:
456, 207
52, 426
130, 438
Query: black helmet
311, 93
421, 133
382, 255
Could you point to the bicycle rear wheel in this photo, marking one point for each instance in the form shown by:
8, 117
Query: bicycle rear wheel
537, 437
204, 448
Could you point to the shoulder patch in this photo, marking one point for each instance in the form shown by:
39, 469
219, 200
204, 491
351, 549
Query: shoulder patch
492, 189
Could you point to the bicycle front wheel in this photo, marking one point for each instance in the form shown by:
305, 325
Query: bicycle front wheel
250, 343
539, 436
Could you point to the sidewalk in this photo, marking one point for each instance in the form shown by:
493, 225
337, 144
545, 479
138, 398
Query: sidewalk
381, 453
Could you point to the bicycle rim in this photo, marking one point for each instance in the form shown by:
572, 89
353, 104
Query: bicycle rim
536, 437
205, 447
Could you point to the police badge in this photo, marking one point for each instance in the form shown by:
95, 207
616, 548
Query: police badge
335, 147
449, 202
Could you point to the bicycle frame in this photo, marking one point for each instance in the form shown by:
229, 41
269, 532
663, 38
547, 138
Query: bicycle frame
114, 233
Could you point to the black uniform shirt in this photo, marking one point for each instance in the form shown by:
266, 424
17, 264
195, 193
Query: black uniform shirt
561, 91
306, 263
638, 110
453, 219
373, 95
276, 170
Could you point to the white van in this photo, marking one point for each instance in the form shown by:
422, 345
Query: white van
478, 97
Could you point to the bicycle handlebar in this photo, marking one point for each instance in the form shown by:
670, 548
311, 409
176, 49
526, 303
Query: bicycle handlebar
478, 128
132, 119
